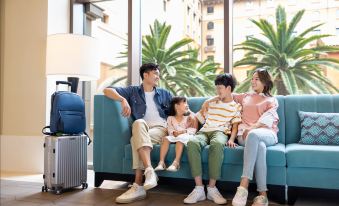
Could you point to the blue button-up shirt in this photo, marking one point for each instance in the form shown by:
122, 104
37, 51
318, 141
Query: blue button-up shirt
135, 96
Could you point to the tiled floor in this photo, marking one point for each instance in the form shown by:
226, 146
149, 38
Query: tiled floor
25, 190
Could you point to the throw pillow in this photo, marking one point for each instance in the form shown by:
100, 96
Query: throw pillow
319, 128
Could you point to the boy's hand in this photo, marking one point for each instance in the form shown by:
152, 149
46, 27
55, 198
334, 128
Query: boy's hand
231, 144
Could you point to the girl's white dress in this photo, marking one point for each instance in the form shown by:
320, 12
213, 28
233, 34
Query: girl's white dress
185, 125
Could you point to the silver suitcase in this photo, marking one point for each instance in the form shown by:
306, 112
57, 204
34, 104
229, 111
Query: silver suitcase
65, 163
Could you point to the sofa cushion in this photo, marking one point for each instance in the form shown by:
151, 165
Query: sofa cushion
275, 154
319, 128
315, 156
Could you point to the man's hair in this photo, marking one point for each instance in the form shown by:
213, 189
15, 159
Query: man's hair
226, 80
174, 101
147, 68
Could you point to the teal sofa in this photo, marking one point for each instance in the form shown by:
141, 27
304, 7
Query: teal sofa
289, 163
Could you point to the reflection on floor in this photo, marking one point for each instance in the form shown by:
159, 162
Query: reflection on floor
25, 190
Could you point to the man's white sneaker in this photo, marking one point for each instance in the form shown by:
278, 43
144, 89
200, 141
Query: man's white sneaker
260, 201
214, 195
198, 194
240, 198
135, 193
151, 179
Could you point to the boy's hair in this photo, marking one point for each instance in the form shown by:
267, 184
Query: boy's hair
147, 68
226, 80
174, 101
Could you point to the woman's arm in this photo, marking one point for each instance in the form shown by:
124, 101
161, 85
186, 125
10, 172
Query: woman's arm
270, 115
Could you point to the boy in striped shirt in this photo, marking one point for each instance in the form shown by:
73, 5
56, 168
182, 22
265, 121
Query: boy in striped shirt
221, 119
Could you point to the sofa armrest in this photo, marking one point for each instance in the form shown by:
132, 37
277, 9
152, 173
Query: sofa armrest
111, 133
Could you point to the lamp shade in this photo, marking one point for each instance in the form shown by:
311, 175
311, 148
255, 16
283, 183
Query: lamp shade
73, 55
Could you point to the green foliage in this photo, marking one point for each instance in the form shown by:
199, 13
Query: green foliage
181, 71
295, 68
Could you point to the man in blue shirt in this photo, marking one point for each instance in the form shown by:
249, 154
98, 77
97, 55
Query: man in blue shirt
148, 106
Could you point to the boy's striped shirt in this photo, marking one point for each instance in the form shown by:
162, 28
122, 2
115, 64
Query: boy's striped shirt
220, 116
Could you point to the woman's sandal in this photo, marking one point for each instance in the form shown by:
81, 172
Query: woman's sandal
161, 166
174, 167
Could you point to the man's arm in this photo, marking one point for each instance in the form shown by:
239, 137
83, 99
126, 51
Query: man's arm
113, 94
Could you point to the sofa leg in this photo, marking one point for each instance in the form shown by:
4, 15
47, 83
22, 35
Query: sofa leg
277, 193
98, 179
292, 195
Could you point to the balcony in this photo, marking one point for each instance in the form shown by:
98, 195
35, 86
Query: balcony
209, 49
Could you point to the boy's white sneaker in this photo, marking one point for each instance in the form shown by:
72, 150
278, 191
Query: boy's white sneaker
198, 194
135, 193
214, 195
151, 179
240, 198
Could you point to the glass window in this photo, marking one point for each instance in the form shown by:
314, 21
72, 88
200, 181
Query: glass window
210, 25
210, 57
113, 33
294, 33
337, 13
210, 41
249, 3
316, 32
186, 20
337, 31
210, 9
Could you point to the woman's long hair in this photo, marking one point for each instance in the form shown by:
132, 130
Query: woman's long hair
266, 79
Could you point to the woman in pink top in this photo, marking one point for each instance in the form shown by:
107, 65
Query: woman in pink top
257, 131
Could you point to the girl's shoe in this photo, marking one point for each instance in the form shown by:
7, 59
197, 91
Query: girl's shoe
174, 167
161, 166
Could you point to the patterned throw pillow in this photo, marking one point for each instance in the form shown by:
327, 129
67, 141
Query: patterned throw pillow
319, 128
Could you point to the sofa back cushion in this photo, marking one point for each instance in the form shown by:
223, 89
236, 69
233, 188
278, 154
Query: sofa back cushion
306, 103
196, 102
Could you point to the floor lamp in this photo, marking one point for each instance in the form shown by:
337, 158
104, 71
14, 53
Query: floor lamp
73, 56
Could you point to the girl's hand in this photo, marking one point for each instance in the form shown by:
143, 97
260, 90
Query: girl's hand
231, 144
175, 133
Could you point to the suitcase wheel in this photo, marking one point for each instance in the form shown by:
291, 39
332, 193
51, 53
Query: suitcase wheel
44, 189
84, 185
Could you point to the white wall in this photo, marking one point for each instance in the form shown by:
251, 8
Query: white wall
24, 29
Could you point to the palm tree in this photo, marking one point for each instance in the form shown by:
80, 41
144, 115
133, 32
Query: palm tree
181, 72
295, 68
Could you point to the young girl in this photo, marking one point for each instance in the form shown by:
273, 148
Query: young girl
181, 126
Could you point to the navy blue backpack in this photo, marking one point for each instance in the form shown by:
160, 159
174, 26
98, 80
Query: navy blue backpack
67, 113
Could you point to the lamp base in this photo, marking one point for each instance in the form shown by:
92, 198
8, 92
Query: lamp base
75, 82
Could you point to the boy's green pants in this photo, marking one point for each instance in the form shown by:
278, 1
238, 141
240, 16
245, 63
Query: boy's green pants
216, 140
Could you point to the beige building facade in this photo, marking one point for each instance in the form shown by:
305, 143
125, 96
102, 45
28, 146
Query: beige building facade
316, 12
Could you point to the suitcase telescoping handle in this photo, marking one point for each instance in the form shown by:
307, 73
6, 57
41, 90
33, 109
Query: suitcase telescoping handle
63, 82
